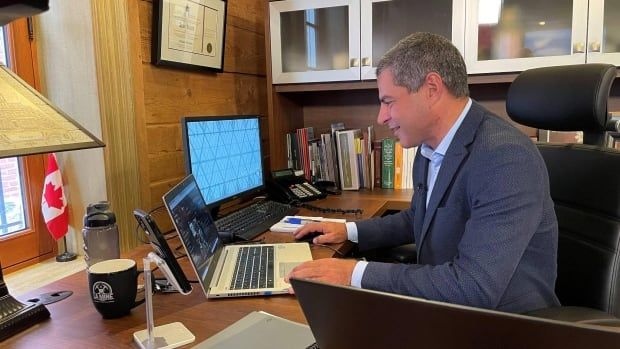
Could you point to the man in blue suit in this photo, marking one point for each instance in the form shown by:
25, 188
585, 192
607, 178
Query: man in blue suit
481, 213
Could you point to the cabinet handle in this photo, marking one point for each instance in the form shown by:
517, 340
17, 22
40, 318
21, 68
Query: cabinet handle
579, 48
366, 62
595, 46
355, 62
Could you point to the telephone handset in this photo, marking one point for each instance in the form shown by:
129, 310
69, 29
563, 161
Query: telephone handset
285, 186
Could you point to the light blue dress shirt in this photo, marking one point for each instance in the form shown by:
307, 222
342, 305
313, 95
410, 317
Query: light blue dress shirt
435, 158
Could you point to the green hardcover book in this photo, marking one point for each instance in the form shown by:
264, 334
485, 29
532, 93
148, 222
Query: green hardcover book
387, 164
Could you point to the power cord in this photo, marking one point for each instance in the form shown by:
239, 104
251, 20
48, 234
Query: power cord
158, 208
166, 234
138, 235
355, 211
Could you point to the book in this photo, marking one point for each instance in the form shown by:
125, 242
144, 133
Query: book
376, 152
347, 158
289, 152
398, 166
330, 161
337, 126
304, 135
294, 151
387, 164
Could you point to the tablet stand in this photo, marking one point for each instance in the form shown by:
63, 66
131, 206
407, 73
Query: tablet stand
165, 336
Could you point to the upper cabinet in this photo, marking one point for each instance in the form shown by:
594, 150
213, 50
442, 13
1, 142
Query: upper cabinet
341, 40
515, 35
604, 32
385, 22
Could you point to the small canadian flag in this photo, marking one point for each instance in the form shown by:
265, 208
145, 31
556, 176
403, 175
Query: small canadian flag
53, 202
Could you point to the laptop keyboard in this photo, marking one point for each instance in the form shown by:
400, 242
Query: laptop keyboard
254, 268
250, 221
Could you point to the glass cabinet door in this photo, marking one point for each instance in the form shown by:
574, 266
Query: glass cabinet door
604, 32
385, 22
514, 35
314, 40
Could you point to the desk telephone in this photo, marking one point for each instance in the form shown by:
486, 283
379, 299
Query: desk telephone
287, 187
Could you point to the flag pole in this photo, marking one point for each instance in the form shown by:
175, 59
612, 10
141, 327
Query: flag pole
65, 256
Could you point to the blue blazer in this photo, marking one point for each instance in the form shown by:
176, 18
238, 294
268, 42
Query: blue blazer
488, 237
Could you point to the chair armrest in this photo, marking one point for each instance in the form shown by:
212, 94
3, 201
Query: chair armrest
580, 315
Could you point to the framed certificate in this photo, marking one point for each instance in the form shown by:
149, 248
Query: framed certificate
189, 33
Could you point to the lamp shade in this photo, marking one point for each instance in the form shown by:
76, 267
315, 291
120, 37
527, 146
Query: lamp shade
32, 125
12, 9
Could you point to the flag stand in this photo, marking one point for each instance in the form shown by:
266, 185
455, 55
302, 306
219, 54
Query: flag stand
65, 256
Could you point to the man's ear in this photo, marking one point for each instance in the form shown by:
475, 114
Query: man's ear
435, 86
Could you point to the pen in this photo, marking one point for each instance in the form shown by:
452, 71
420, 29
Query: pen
294, 220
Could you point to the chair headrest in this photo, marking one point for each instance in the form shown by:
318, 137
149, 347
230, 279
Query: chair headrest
563, 98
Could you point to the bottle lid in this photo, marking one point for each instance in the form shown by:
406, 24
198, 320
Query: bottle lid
99, 219
101, 206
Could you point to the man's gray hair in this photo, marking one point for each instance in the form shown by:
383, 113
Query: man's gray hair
419, 54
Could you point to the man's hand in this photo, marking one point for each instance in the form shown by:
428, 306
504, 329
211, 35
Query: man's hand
333, 233
329, 270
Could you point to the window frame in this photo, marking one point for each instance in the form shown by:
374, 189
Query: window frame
34, 243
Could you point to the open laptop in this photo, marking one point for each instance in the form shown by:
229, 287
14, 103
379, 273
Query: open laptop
233, 270
347, 317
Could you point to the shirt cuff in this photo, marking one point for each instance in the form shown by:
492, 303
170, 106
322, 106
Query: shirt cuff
351, 231
358, 273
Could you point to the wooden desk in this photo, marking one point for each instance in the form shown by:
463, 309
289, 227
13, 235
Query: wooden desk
75, 323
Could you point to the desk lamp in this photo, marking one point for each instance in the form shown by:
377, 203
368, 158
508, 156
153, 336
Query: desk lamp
30, 125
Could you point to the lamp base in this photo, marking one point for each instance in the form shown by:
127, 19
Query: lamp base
66, 257
165, 336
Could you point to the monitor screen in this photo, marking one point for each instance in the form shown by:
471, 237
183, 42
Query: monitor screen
224, 155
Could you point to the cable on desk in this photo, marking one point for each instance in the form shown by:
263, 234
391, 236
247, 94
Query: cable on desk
153, 210
355, 211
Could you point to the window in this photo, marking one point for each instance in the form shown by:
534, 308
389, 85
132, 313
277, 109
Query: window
24, 239
311, 38
12, 215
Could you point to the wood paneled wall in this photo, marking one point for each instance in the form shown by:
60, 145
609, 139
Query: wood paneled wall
170, 94
142, 104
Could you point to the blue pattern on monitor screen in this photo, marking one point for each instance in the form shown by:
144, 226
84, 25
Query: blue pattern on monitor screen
225, 157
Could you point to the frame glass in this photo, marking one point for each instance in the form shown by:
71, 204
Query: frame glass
189, 33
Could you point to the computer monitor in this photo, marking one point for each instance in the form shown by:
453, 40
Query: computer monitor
224, 155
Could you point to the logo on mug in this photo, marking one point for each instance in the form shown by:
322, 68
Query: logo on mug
102, 292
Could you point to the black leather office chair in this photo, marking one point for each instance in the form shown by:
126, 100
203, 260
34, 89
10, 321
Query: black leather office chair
584, 181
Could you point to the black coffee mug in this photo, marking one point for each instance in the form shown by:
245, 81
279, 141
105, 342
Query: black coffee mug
113, 287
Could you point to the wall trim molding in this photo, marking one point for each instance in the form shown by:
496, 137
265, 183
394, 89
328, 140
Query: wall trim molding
112, 27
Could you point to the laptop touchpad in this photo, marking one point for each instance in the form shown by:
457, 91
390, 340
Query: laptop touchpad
286, 267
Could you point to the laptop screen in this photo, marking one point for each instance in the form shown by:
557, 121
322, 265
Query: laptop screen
195, 225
